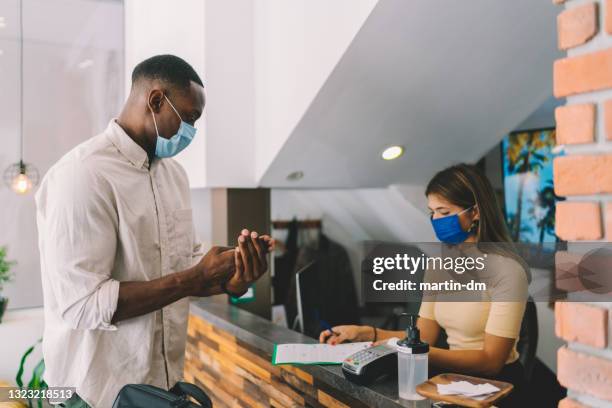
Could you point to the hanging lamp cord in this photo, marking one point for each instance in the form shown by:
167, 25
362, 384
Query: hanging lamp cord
21, 84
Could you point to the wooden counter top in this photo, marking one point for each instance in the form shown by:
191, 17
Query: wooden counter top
228, 354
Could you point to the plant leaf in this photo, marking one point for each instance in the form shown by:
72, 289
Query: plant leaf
37, 382
19, 377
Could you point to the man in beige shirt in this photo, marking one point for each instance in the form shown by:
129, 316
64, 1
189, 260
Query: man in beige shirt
118, 252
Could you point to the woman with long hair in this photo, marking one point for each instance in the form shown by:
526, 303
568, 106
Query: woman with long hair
481, 335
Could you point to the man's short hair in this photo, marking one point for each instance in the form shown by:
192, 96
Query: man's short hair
167, 68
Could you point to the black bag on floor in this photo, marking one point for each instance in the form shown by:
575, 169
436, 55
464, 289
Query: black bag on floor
148, 396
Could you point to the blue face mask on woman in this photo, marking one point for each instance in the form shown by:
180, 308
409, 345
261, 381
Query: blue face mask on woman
448, 229
173, 146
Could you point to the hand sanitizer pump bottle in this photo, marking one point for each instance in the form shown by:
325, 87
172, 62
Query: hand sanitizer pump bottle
412, 359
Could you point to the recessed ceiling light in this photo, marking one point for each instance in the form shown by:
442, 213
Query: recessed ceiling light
295, 176
2, 22
392, 152
1, 52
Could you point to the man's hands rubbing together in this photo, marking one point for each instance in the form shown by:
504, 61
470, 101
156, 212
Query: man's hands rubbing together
234, 269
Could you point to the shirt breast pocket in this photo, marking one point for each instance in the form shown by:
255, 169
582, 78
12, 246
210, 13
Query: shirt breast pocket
183, 236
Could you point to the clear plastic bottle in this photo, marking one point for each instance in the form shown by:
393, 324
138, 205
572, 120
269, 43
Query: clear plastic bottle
412, 360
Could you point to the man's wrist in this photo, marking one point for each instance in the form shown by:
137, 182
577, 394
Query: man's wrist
190, 282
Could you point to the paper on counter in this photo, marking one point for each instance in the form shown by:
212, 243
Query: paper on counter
467, 389
315, 353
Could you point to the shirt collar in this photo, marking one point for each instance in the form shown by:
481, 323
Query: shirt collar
126, 145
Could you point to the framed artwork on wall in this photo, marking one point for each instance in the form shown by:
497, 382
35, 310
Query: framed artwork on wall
529, 196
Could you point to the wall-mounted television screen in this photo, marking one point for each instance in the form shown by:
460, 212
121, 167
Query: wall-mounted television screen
529, 197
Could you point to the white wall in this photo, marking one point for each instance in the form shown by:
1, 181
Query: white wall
297, 44
155, 27
230, 114
543, 117
201, 205
73, 85
265, 62
19, 330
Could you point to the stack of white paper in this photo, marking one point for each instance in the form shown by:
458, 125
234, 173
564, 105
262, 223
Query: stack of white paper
315, 353
467, 389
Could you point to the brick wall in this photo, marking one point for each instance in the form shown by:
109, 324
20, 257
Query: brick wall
584, 176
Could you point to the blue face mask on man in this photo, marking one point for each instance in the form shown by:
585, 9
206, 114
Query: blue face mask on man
448, 229
173, 146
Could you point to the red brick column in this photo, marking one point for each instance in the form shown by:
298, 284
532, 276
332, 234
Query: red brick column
584, 176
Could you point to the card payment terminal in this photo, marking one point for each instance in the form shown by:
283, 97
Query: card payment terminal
366, 366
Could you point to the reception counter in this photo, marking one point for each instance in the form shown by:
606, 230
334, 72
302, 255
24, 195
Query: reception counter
228, 354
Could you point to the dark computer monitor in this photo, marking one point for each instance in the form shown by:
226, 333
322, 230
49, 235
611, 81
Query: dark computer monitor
305, 285
322, 295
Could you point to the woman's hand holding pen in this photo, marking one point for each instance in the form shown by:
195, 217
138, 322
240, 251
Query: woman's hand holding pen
348, 333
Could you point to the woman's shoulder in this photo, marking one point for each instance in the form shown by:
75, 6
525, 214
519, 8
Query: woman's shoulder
505, 262
507, 275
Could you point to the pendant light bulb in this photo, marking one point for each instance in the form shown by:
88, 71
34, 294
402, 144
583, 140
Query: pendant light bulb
21, 184
21, 177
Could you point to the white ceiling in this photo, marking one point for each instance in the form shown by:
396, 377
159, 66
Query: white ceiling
447, 80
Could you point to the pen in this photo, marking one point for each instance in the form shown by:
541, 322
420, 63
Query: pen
327, 326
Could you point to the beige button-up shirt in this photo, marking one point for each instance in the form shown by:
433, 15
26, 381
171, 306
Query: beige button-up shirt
106, 215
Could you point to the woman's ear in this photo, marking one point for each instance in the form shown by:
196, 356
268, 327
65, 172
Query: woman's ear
476, 213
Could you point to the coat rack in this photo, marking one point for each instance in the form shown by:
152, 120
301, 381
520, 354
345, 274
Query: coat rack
302, 224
